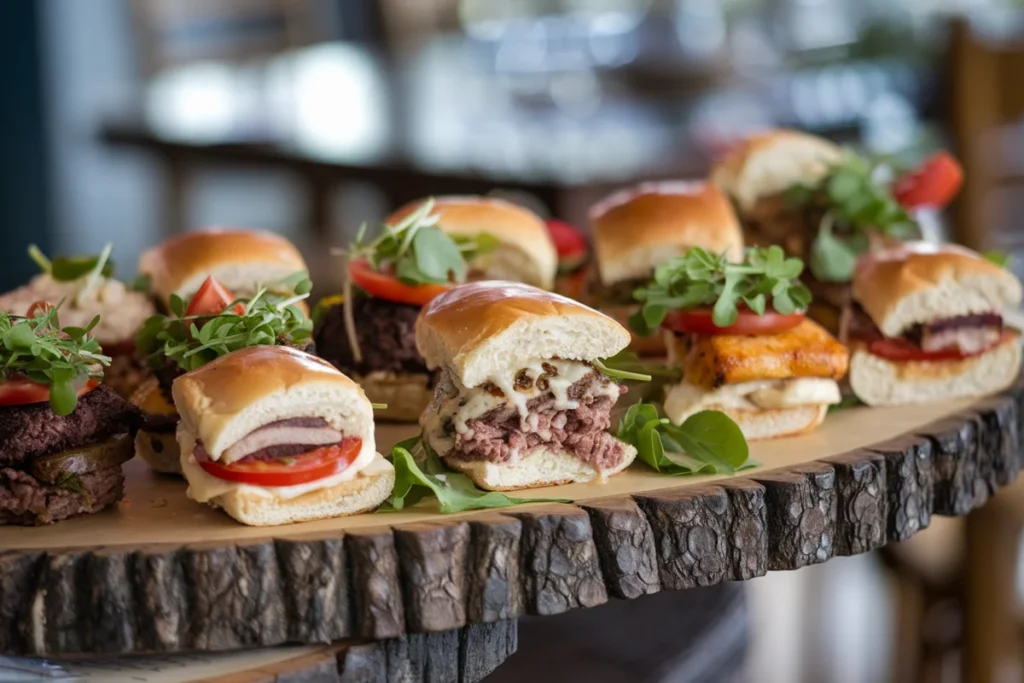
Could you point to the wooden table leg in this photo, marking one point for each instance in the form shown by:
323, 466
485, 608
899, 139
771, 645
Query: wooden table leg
990, 642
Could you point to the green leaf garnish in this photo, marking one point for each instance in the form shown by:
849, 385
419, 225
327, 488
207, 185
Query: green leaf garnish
854, 204
708, 442
70, 268
701, 279
850, 401
454, 491
141, 283
1002, 259
192, 341
38, 349
379, 406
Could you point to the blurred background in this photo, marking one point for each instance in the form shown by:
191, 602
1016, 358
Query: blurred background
130, 120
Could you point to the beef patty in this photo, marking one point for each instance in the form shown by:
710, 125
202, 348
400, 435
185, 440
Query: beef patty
29, 431
386, 334
26, 500
501, 434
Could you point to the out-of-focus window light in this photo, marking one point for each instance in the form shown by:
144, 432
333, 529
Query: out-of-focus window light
198, 102
700, 26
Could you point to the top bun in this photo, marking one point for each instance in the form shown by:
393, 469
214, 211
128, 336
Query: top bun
525, 252
641, 227
242, 260
919, 282
231, 396
772, 162
492, 329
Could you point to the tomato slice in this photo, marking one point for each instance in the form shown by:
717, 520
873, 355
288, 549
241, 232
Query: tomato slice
300, 469
901, 350
212, 299
391, 288
699, 321
934, 183
19, 391
570, 244
43, 307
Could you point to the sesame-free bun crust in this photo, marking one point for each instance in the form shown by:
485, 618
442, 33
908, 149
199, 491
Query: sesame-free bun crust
881, 382
406, 395
489, 329
235, 394
543, 466
919, 282
242, 260
525, 253
641, 227
767, 164
158, 449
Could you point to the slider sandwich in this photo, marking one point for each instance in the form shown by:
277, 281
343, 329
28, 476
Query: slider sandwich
637, 229
928, 325
213, 323
738, 333
87, 286
573, 259
522, 400
243, 261
520, 248
63, 435
368, 331
273, 435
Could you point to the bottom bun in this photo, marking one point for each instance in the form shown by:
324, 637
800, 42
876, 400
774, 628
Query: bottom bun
774, 423
160, 450
542, 467
360, 494
642, 346
406, 396
881, 382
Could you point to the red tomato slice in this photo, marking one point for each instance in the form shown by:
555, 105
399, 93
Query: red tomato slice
902, 350
570, 244
212, 299
389, 287
301, 469
933, 183
38, 307
19, 391
698, 321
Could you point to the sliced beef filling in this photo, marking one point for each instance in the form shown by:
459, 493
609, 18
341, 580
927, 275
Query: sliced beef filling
27, 501
965, 333
386, 334
30, 431
501, 434
280, 439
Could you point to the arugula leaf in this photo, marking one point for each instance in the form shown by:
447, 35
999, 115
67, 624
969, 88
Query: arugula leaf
850, 401
700, 278
454, 491
1002, 259
38, 349
708, 442
832, 260
192, 341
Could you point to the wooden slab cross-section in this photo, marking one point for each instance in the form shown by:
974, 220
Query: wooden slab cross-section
161, 573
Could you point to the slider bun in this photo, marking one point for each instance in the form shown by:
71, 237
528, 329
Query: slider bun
920, 282
249, 505
525, 253
235, 394
241, 260
406, 395
775, 423
881, 382
772, 162
641, 227
492, 329
542, 467
158, 449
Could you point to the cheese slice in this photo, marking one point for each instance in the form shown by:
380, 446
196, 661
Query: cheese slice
685, 399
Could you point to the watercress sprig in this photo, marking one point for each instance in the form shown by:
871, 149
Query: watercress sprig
69, 268
192, 341
708, 442
454, 491
700, 278
40, 350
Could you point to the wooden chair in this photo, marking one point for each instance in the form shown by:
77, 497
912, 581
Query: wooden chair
986, 99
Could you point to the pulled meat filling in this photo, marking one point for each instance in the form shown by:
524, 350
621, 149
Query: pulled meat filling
967, 334
503, 434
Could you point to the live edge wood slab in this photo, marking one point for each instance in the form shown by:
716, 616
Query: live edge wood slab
162, 573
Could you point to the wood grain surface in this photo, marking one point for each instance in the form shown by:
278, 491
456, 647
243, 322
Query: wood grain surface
164, 574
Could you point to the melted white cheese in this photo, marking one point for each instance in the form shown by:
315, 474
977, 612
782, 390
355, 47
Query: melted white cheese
685, 399
204, 487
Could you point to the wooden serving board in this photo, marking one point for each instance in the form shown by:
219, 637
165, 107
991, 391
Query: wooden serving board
162, 573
